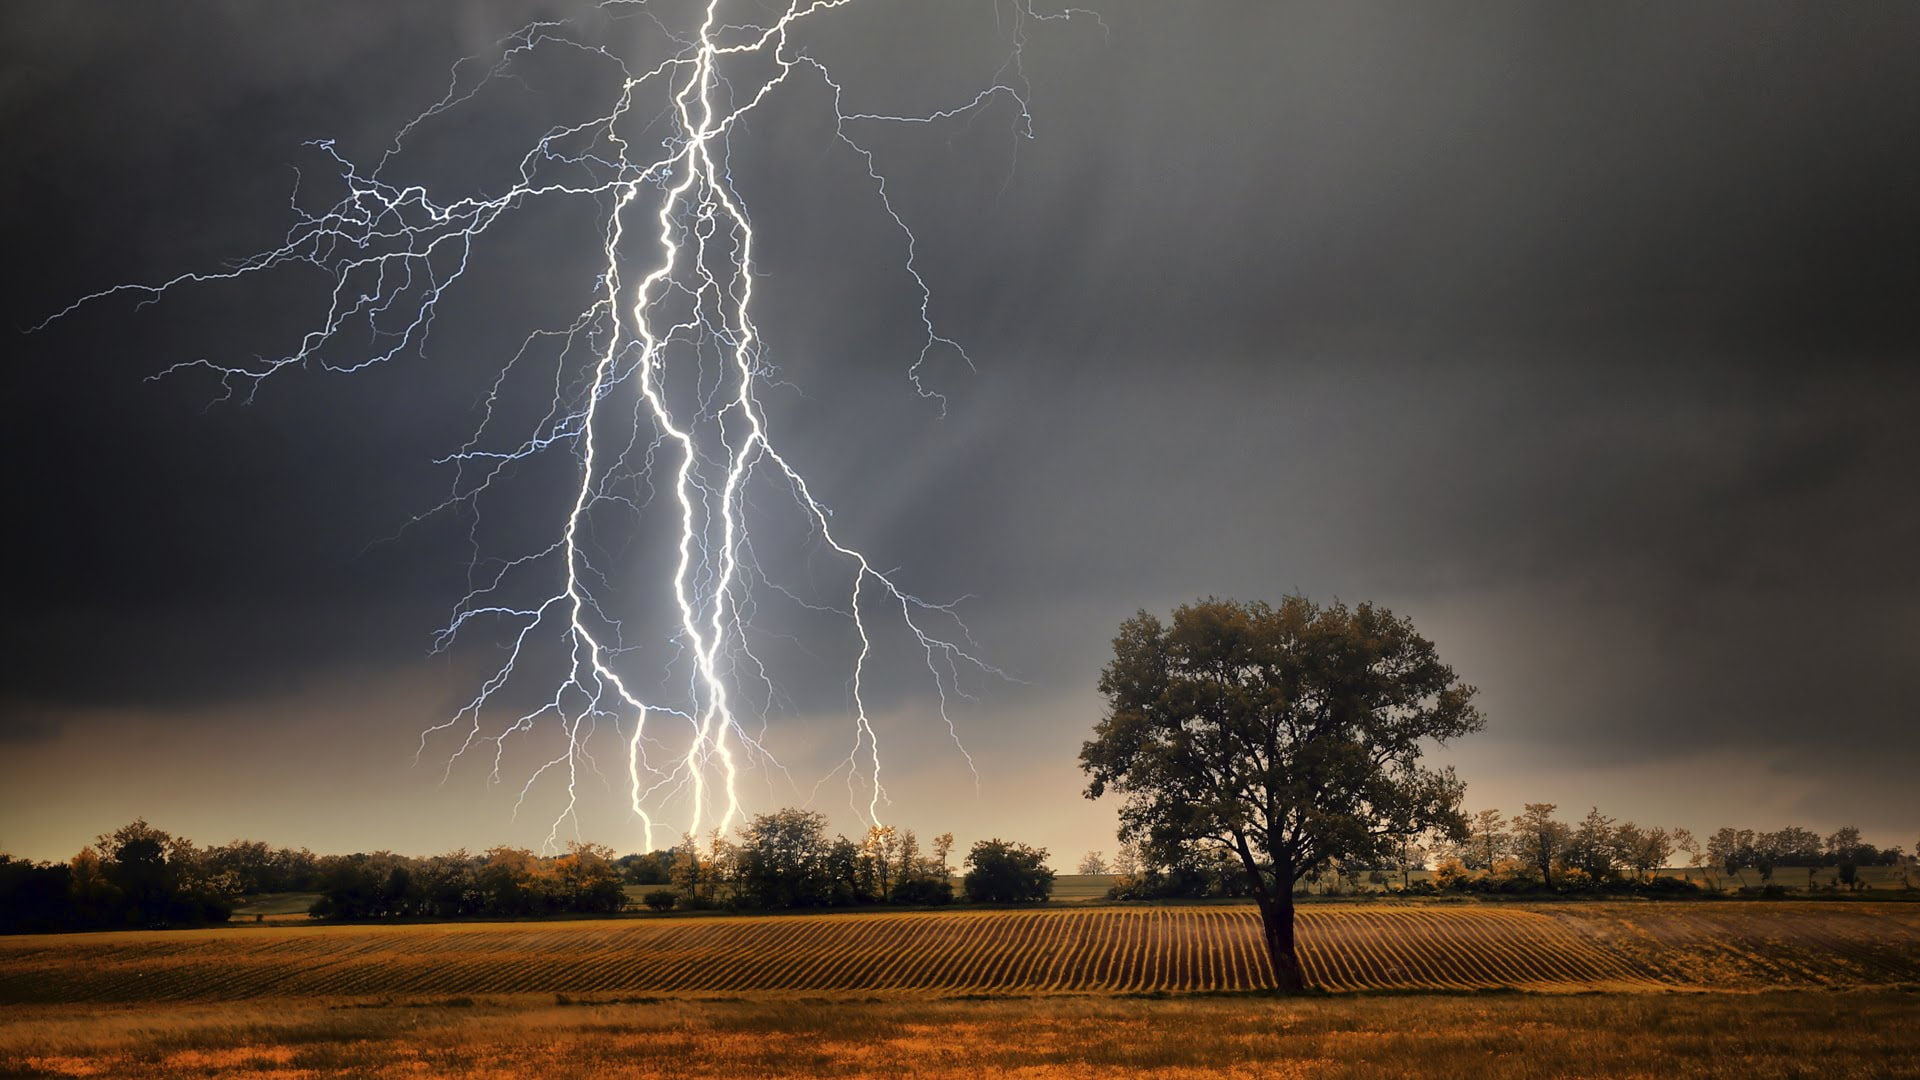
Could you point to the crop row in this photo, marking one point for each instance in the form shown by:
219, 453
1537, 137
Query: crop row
1102, 950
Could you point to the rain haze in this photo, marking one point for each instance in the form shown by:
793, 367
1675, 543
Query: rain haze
1585, 337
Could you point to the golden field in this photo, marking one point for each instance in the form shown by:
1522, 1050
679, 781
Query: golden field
1099, 950
1616, 990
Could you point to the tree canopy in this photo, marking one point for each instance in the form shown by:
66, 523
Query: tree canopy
1005, 872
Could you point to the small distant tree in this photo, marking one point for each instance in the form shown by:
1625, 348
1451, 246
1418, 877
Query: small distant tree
1093, 862
1190, 870
1643, 850
95, 898
846, 872
723, 866
652, 868
924, 891
922, 880
1684, 841
1799, 846
1765, 855
448, 885
1408, 854
699, 870
1592, 847
1539, 840
1128, 867
161, 878
1844, 849
1791, 846
135, 861
249, 861
1486, 841
783, 859
508, 882
381, 885
878, 852
686, 871
907, 863
1004, 872
587, 879
1731, 850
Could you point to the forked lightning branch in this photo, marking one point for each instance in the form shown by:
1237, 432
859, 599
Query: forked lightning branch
657, 398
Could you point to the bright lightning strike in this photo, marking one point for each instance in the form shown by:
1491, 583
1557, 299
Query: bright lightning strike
656, 390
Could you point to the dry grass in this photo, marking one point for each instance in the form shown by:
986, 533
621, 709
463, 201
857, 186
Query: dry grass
1778, 1034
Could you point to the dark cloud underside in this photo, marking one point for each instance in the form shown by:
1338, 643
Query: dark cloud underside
1584, 335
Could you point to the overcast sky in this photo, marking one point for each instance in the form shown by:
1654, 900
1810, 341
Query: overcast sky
1584, 336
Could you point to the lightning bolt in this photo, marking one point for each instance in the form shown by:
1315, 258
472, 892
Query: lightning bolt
657, 386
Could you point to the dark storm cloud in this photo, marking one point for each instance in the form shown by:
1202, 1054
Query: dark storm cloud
1583, 334
24, 728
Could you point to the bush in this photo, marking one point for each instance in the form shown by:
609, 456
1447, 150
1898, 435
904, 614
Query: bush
1573, 879
661, 899
1668, 886
1193, 871
1453, 874
923, 892
33, 897
1004, 872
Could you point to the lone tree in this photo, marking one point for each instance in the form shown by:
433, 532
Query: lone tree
1288, 736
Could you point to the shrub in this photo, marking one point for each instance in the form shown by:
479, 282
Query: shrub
923, 891
661, 899
1452, 874
1573, 879
1668, 886
1005, 872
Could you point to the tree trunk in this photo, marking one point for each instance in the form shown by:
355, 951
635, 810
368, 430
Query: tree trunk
1276, 920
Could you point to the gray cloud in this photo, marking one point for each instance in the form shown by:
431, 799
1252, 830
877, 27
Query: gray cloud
1584, 337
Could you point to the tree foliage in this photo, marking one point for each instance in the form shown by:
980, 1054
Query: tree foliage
784, 861
1539, 839
1288, 736
137, 875
1005, 872
505, 882
1593, 846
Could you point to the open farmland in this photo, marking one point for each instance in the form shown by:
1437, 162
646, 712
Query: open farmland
1797, 1034
1739, 946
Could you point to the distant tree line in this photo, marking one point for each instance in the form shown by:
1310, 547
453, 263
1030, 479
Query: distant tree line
1531, 852
502, 882
135, 876
1738, 850
140, 876
786, 859
1534, 851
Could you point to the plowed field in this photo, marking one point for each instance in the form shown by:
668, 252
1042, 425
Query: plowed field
1103, 950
